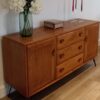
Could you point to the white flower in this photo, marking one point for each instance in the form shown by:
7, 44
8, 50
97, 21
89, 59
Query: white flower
36, 6
17, 5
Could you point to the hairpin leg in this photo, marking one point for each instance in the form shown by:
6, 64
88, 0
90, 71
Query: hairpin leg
94, 62
10, 88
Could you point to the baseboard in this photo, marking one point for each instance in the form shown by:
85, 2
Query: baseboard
3, 91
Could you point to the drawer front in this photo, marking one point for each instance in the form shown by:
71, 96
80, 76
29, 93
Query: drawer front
69, 38
70, 51
69, 65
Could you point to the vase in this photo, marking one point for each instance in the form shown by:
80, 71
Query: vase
25, 24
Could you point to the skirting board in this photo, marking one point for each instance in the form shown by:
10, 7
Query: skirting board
3, 91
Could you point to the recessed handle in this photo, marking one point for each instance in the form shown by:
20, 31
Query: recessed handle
62, 40
53, 52
61, 56
80, 59
80, 47
61, 70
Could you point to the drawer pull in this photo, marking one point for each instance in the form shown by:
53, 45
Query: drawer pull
85, 39
61, 70
62, 40
61, 56
80, 47
80, 34
79, 60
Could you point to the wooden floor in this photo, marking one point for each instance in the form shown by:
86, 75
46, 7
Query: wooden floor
85, 86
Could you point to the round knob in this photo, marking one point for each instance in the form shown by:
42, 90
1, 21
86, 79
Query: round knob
79, 60
61, 55
80, 47
61, 70
62, 40
80, 34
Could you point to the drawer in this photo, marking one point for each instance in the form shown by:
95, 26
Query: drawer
69, 65
69, 38
70, 51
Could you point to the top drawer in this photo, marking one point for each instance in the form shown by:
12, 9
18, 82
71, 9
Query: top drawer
69, 38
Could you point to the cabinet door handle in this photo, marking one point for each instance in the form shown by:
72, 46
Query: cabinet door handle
80, 47
61, 56
53, 52
61, 70
62, 40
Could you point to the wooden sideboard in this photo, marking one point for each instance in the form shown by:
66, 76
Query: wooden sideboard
34, 63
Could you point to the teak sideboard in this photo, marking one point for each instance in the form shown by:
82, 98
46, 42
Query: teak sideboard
34, 63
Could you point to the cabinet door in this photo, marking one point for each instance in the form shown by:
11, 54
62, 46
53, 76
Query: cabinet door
41, 63
91, 41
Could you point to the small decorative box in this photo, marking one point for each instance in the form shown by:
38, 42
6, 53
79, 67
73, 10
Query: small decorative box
53, 24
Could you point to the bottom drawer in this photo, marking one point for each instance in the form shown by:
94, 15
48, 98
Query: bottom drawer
69, 65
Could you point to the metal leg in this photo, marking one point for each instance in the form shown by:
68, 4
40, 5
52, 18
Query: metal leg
94, 62
10, 88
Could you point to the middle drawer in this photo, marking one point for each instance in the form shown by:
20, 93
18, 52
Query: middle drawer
70, 51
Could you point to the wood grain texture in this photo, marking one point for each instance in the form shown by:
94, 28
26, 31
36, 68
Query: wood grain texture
34, 63
69, 38
41, 64
42, 33
91, 41
69, 65
70, 51
86, 86
15, 65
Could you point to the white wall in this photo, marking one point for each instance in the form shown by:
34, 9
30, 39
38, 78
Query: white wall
52, 9
91, 10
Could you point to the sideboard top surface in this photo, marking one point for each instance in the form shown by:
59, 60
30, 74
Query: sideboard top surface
42, 33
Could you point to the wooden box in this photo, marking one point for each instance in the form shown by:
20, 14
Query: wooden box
53, 24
